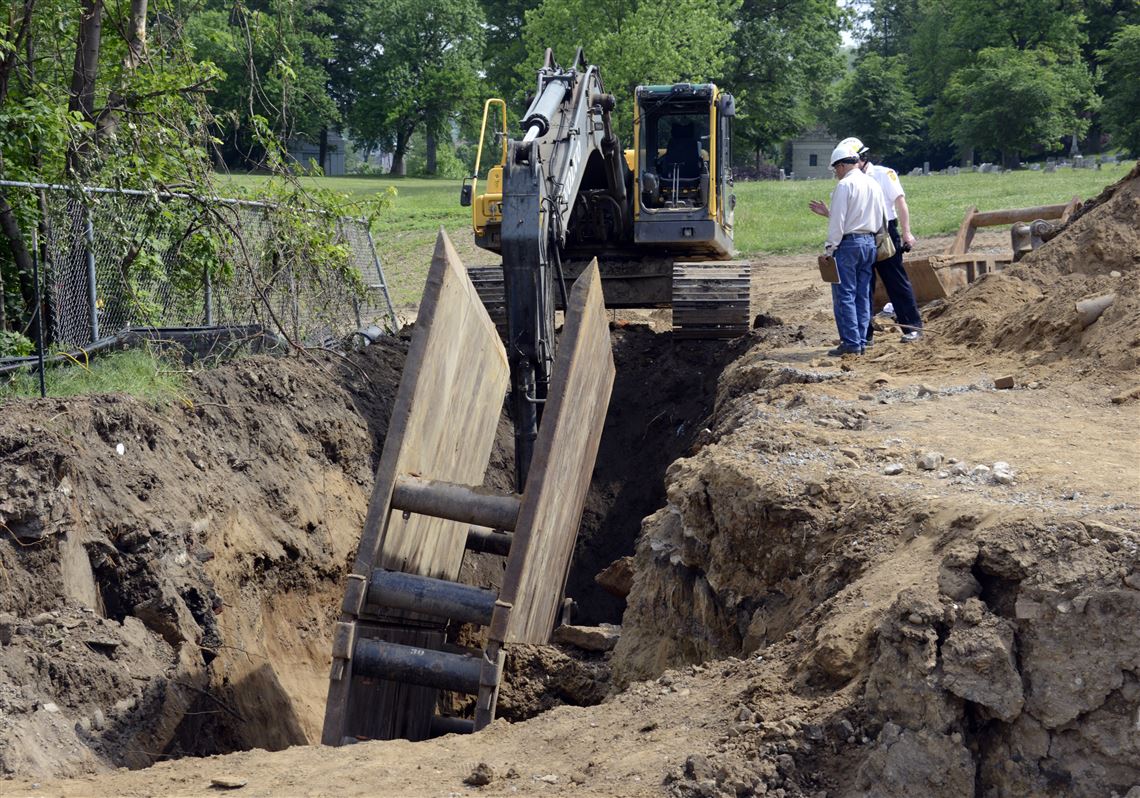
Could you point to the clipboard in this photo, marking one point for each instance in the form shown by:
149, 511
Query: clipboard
828, 271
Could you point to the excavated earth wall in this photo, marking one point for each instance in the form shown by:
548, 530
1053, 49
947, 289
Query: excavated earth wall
967, 647
820, 604
170, 573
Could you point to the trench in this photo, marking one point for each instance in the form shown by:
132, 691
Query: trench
663, 394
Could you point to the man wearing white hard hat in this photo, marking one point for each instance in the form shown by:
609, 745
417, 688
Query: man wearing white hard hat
891, 271
857, 211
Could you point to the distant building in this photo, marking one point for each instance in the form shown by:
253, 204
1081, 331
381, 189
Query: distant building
307, 153
808, 155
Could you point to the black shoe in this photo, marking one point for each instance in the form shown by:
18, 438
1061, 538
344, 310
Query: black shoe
869, 343
844, 349
911, 336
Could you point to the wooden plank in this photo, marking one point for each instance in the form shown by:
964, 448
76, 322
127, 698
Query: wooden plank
965, 235
1011, 215
442, 427
463, 365
560, 472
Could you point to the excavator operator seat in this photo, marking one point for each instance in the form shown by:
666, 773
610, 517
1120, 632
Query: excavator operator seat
683, 152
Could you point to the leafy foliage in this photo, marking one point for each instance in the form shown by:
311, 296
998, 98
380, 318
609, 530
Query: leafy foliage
13, 344
875, 99
1122, 88
651, 41
1013, 100
785, 56
420, 72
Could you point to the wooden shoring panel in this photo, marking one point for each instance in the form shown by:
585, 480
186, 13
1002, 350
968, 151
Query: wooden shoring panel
560, 472
442, 427
443, 422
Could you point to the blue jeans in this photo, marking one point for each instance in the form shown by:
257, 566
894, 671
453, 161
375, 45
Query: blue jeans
851, 296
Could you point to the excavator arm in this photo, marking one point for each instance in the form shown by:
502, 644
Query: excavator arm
566, 132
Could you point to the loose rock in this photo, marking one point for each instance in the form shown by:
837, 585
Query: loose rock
930, 461
480, 776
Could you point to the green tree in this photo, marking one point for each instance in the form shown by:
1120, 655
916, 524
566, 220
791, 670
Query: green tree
1011, 101
888, 26
273, 55
420, 72
1121, 110
651, 41
88, 92
505, 48
875, 103
785, 55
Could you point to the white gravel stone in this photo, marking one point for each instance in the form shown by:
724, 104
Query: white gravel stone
893, 469
980, 471
1002, 473
929, 461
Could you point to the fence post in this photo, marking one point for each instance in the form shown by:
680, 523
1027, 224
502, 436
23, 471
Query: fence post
39, 311
209, 290
92, 295
380, 274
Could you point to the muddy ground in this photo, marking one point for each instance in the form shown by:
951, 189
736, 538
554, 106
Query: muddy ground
803, 620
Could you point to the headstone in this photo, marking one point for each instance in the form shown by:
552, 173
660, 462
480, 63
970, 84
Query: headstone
915, 172
1036, 167
926, 167
783, 175
1050, 168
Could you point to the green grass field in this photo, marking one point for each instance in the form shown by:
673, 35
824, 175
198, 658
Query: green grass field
138, 372
771, 217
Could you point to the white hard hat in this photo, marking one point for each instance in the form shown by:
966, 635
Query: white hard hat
848, 148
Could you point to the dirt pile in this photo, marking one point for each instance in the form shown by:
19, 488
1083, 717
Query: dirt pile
941, 642
169, 573
1031, 306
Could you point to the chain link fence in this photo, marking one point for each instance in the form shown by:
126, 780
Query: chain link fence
118, 259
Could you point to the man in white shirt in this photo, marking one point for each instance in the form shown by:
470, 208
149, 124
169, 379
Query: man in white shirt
857, 210
891, 270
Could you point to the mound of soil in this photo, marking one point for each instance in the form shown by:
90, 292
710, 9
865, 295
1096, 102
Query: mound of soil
170, 573
1031, 306
899, 638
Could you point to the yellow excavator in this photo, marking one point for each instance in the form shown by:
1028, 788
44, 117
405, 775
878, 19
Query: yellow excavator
658, 217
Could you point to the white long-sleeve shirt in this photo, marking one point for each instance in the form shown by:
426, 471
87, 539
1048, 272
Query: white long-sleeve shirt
888, 180
857, 206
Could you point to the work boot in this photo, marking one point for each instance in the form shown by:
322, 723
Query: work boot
911, 336
844, 349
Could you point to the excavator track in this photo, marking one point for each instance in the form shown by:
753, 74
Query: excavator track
711, 300
488, 282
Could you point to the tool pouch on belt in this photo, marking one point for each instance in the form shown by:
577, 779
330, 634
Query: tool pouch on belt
884, 244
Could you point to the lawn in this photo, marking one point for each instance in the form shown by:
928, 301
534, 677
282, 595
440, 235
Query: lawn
771, 217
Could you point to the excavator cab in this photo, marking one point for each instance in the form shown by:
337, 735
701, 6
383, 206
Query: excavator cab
658, 216
682, 167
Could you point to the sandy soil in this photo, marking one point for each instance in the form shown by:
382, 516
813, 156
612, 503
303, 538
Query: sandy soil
801, 623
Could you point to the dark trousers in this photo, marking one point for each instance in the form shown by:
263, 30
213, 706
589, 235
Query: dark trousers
894, 278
